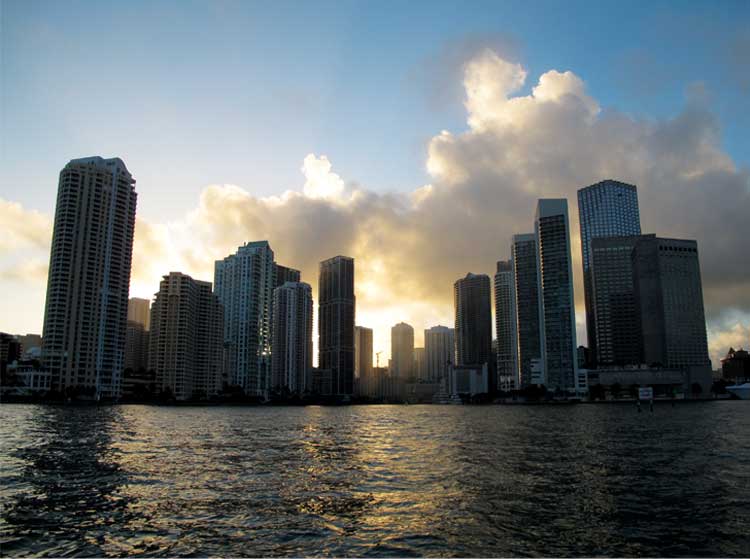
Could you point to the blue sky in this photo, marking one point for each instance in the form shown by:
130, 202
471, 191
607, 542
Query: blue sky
192, 93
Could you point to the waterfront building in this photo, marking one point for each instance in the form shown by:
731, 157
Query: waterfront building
336, 322
506, 327
402, 351
363, 376
292, 325
321, 381
557, 308
136, 346
85, 315
420, 364
606, 209
31, 345
244, 284
526, 284
469, 380
473, 332
612, 294
139, 310
669, 296
185, 340
439, 347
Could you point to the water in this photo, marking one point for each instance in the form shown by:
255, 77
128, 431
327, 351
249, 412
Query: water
376, 480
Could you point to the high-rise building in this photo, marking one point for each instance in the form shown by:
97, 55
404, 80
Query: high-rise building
402, 351
439, 347
473, 334
557, 307
136, 346
89, 277
139, 310
136, 334
284, 274
669, 297
506, 326
185, 340
336, 322
292, 324
526, 284
606, 209
363, 360
244, 283
420, 364
612, 292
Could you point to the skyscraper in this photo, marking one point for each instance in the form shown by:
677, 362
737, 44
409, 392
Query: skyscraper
439, 347
402, 351
244, 283
505, 325
363, 359
473, 335
139, 310
291, 356
420, 364
336, 322
618, 331
669, 297
86, 310
526, 284
136, 334
185, 340
284, 274
557, 308
606, 209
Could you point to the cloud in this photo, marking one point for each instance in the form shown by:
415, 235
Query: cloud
29, 270
410, 247
22, 228
730, 330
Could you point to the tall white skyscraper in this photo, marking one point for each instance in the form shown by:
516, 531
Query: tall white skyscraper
292, 338
505, 325
244, 283
86, 311
439, 347
557, 318
402, 351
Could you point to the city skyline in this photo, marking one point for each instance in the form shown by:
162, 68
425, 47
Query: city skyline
394, 214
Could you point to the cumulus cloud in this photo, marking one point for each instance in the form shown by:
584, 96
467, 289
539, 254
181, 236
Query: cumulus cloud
22, 228
411, 246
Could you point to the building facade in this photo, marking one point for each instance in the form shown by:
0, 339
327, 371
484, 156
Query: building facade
612, 294
363, 360
136, 346
420, 364
85, 315
525, 280
292, 325
439, 347
402, 351
244, 284
336, 322
669, 295
185, 340
557, 305
506, 327
285, 274
473, 332
606, 209
139, 310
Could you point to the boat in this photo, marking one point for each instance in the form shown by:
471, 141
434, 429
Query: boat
741, 391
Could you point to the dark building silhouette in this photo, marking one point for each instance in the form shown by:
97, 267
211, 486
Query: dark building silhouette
669, 298
506, 326
284, 275
736, 364
473, 327
85, 316
336, 322
526, 284
606, 209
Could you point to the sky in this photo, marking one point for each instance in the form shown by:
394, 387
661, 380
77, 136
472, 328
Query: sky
414, 136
